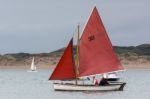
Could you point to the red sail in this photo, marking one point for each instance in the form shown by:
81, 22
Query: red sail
65, 68
96, 53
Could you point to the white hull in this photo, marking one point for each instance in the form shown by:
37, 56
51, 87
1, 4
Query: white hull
71, 87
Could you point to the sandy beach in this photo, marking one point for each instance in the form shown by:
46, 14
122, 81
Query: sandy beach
130, 65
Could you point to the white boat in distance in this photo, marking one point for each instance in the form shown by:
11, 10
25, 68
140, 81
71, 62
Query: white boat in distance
111, 76
33, 66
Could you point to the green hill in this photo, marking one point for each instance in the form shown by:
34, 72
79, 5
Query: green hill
130, 53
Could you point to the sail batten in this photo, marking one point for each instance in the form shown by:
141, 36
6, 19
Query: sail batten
65, 69
96, 52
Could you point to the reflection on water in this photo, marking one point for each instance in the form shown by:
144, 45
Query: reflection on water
20, 84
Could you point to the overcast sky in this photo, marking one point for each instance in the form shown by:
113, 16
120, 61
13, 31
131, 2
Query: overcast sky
34, 26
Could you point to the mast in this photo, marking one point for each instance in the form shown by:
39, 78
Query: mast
77, 53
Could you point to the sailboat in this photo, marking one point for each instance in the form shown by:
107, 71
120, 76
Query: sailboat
95, 56
33, 66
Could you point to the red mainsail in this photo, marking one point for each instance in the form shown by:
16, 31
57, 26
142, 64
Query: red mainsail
96, 54
65, 68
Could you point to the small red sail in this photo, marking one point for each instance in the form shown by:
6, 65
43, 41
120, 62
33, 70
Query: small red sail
96, 54
65, 68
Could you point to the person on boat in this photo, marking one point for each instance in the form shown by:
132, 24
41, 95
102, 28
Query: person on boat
95, 81
103, 81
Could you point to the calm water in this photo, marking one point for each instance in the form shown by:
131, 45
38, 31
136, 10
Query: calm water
20, 84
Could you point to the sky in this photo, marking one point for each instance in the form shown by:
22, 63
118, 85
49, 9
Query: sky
37, 26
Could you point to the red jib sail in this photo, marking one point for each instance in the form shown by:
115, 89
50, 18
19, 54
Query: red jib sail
65, 68
96, 54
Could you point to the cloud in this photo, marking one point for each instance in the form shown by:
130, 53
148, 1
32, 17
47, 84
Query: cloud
46, 25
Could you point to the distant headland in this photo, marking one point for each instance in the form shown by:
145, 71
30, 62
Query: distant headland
131, 57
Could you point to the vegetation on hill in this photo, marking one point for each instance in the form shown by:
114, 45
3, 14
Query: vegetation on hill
140, 50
